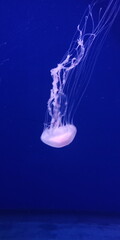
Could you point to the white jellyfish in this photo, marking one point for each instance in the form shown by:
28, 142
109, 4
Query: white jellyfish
71, 76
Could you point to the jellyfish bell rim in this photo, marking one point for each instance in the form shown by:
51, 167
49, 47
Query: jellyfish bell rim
59, 136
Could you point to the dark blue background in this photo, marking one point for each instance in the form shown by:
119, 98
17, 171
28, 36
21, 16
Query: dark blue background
34, 35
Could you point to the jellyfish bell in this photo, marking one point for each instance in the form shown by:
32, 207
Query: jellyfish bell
60, 136
72, 75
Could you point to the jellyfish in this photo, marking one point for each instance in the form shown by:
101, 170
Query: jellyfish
72, 75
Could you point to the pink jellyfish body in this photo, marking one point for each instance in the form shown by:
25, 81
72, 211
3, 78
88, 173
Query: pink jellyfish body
71, 76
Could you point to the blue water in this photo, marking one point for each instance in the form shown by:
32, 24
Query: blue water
85, 176
59, 227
